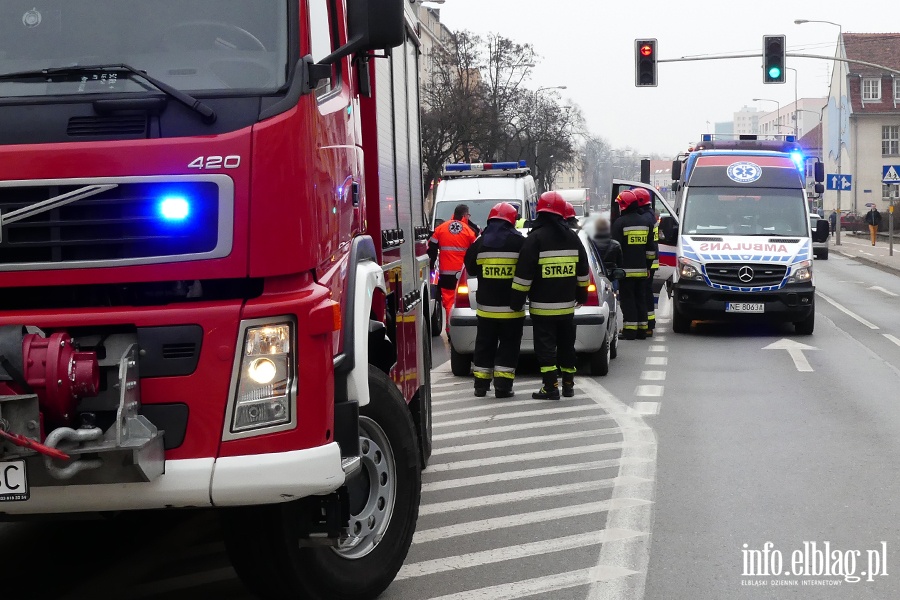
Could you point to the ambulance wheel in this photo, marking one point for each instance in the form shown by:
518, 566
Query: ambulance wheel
460, 364
806, 326
680, 322
599, 360
263, 542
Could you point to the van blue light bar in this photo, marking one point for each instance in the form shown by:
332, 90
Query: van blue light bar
485, 166
706, 137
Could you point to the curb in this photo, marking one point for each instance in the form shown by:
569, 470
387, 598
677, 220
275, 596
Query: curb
868, 261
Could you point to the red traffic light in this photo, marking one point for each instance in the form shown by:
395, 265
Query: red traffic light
646, 50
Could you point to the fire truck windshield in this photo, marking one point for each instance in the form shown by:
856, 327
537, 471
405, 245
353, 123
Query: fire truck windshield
760, 211
193, 45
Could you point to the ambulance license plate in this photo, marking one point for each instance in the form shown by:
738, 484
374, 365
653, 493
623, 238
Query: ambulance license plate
13, 481
745, 307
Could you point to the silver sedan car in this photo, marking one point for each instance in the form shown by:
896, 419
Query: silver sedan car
597, 321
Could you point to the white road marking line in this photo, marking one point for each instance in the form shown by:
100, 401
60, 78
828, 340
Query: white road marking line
659, 338
443, 393
449, 484
640, 454
656, 361
519, 427
892, 338
491, 404
521, 457
646, 408
795, 351
496, 555
653, 375
458, 383
881, 289
517, 520
656, 348
649, 391
541, 585
847, 311
520, 415
537, 439
523, 495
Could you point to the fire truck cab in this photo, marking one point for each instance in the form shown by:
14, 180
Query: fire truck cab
213, 270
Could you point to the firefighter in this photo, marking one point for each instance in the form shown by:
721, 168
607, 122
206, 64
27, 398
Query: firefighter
492, 260
569, 216
452, 238
553, 273
646, 208
632, 231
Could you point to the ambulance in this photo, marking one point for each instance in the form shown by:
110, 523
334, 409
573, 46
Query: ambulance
742, 234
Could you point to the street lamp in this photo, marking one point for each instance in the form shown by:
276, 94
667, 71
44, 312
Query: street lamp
777, 103
552, 87
837, 207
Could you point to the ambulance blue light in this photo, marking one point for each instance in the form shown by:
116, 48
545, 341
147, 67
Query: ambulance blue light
459, 167
706, 137
798, 159
174, 208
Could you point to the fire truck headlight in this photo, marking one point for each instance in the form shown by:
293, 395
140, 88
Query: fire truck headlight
266, 378
801, 272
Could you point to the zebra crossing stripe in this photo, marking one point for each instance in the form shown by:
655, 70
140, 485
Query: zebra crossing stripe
496, 555
537, 439
521, 415
522, 458
517, 520
519, 427
523, 495
498, 405
449, 484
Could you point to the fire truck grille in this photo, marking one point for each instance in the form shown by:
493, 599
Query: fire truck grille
745, 275
132, 220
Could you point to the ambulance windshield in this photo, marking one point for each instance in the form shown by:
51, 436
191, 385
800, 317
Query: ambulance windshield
759, 211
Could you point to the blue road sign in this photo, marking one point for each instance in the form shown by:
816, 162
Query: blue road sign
843, 183
890, 174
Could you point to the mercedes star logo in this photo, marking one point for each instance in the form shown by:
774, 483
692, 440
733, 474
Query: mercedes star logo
745, 274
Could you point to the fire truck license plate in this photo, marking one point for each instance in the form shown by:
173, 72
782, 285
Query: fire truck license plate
745, 307
13, 481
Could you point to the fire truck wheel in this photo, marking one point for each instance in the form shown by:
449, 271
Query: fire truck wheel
422, 410
384, 507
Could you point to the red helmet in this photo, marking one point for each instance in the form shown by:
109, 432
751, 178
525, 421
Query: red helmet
552, 202
569, 212
643, 196
505, 211
626, 199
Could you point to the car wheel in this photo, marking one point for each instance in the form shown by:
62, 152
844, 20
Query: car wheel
599, 360
437, 319
680, 322
614, 344
263, 542
460, 364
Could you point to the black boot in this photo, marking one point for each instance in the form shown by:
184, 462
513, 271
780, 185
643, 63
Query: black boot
481, 387
568, 384
550, 389
503, 393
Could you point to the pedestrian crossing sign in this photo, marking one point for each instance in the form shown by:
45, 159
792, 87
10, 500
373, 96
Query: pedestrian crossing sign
890, 174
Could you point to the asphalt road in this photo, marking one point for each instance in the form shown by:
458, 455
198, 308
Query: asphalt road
647, 484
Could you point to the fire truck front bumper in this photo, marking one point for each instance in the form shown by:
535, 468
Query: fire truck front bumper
198, 483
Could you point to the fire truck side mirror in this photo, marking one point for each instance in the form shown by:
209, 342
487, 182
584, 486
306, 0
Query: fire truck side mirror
371, 25
819, 172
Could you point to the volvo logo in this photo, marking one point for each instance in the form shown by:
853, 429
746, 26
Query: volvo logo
745, 274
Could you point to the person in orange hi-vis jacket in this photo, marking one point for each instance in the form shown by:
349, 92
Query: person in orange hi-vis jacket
452, 238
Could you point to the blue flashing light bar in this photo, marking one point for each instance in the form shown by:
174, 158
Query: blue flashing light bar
486, 166
799, 159
174, 208
706, 137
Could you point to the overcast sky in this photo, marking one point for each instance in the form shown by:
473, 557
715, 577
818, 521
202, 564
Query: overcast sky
588, 46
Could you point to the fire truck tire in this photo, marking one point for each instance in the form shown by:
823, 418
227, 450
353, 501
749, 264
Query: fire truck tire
384, 506
460, 364
422, 410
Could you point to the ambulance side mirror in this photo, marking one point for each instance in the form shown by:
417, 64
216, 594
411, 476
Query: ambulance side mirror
822, 230
819, 172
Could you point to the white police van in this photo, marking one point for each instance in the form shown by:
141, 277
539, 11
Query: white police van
742, 235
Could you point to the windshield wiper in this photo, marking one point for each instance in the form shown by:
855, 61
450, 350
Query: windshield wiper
204, 110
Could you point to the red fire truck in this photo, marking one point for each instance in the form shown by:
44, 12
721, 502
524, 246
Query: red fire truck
212, 276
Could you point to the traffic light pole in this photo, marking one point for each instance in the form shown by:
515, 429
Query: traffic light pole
792, 54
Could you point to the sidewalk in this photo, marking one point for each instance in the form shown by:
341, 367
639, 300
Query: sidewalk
859, 247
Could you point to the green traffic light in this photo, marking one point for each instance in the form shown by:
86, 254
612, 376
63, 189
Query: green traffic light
774, 72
